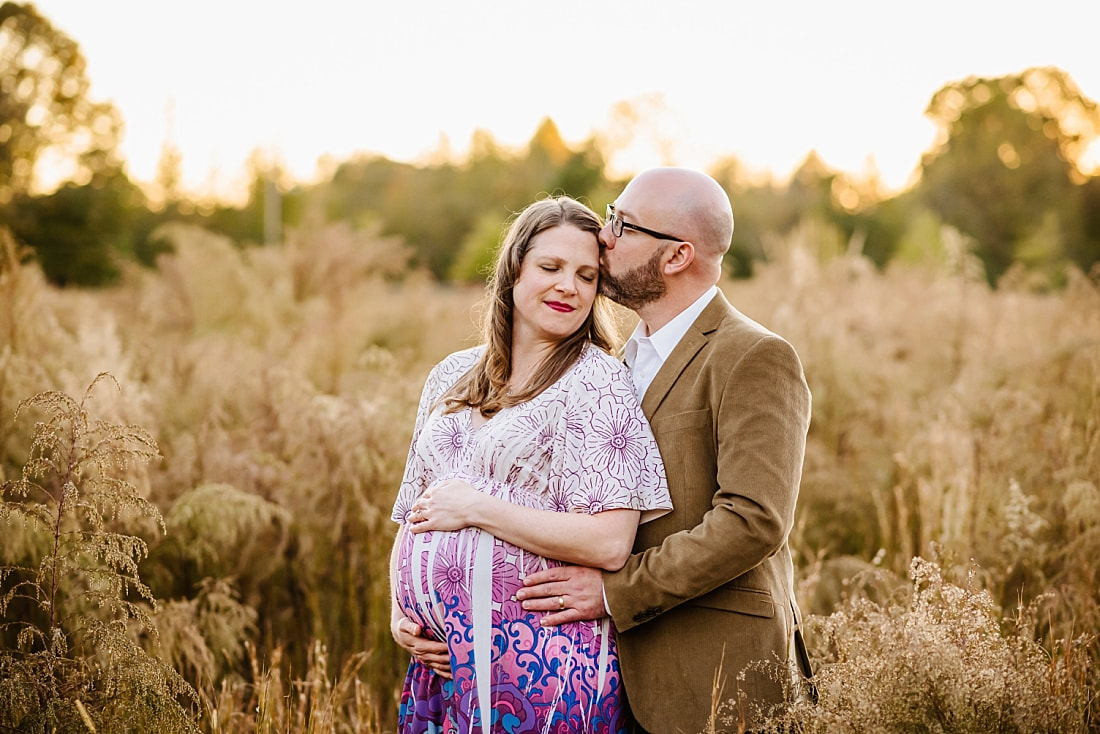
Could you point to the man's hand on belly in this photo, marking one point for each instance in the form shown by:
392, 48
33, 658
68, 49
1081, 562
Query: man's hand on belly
569, 593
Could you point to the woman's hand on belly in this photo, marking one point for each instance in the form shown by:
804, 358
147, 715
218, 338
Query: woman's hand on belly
433, 654
449, 505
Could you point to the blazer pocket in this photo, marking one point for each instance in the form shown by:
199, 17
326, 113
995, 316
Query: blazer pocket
681, 421
744, 601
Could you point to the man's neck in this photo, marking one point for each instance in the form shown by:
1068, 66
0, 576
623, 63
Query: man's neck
658, 313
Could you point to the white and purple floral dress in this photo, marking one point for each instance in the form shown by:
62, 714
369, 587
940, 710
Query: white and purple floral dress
582, 445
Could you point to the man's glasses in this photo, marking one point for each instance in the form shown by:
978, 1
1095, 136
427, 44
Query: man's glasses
618, 225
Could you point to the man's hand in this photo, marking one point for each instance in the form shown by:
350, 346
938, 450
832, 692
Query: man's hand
570, 593
410, 636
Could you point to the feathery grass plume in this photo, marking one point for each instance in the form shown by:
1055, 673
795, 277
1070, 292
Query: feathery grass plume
208, 284
315, 703
217, 531
930, 392
337, 460
333, 260
65, 616
937, 659
26, 321
224, 544
48, 337
205, 637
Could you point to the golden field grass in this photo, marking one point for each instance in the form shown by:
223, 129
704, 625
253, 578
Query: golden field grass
948, 532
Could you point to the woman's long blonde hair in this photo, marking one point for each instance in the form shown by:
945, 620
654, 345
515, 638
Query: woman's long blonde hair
484, 386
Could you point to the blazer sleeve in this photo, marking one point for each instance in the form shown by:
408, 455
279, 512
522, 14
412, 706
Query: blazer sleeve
738, 469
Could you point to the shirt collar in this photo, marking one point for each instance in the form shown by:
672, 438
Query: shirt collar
665, 339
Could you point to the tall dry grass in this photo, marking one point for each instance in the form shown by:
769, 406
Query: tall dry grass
280, 384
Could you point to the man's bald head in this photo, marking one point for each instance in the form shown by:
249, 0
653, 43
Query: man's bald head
689, 204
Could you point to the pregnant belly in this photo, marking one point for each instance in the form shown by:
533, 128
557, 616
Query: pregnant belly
441, 574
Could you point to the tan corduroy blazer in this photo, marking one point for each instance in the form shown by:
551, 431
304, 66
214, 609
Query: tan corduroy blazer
709, 588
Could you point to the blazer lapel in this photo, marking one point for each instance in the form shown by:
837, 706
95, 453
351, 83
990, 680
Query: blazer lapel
698, 334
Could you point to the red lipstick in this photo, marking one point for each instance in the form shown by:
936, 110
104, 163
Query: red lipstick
559, 306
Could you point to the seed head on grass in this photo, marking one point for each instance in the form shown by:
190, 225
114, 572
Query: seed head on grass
71, 610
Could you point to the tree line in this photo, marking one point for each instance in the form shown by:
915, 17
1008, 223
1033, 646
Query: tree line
1006, 173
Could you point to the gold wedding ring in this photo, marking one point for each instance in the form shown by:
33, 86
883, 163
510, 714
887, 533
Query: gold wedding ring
561, 603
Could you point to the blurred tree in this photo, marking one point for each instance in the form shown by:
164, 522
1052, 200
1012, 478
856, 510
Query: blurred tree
44, 106
169, 175
1090, 222
582, 174
765, 213
1005, 171
879, 226
51, 132
274, 202
546, 148
428, 209
445, 210
757, 210
80, 232
810, 191
476, 254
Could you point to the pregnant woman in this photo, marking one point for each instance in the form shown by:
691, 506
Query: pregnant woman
528, 451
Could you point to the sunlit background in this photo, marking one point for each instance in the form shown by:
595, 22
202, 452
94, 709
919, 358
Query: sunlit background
307, 83
298, 224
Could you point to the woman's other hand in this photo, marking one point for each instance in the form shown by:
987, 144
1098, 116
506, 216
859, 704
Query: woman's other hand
431, 653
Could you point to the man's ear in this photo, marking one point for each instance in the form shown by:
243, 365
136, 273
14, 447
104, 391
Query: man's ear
678, 258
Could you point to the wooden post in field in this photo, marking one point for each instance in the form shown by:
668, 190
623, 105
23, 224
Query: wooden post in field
272, 212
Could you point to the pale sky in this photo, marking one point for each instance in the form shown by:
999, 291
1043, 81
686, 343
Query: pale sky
766, 82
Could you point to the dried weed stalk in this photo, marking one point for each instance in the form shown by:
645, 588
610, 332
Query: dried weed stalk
939, 659
70, 661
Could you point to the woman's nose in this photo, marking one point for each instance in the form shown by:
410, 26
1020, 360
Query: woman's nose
566, 284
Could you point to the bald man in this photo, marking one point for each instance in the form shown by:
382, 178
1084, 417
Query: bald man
705, 605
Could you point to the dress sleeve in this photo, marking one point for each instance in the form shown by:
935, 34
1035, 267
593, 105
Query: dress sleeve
413, 482
608, 457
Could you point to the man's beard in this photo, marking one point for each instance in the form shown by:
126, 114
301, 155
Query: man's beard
635, 288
